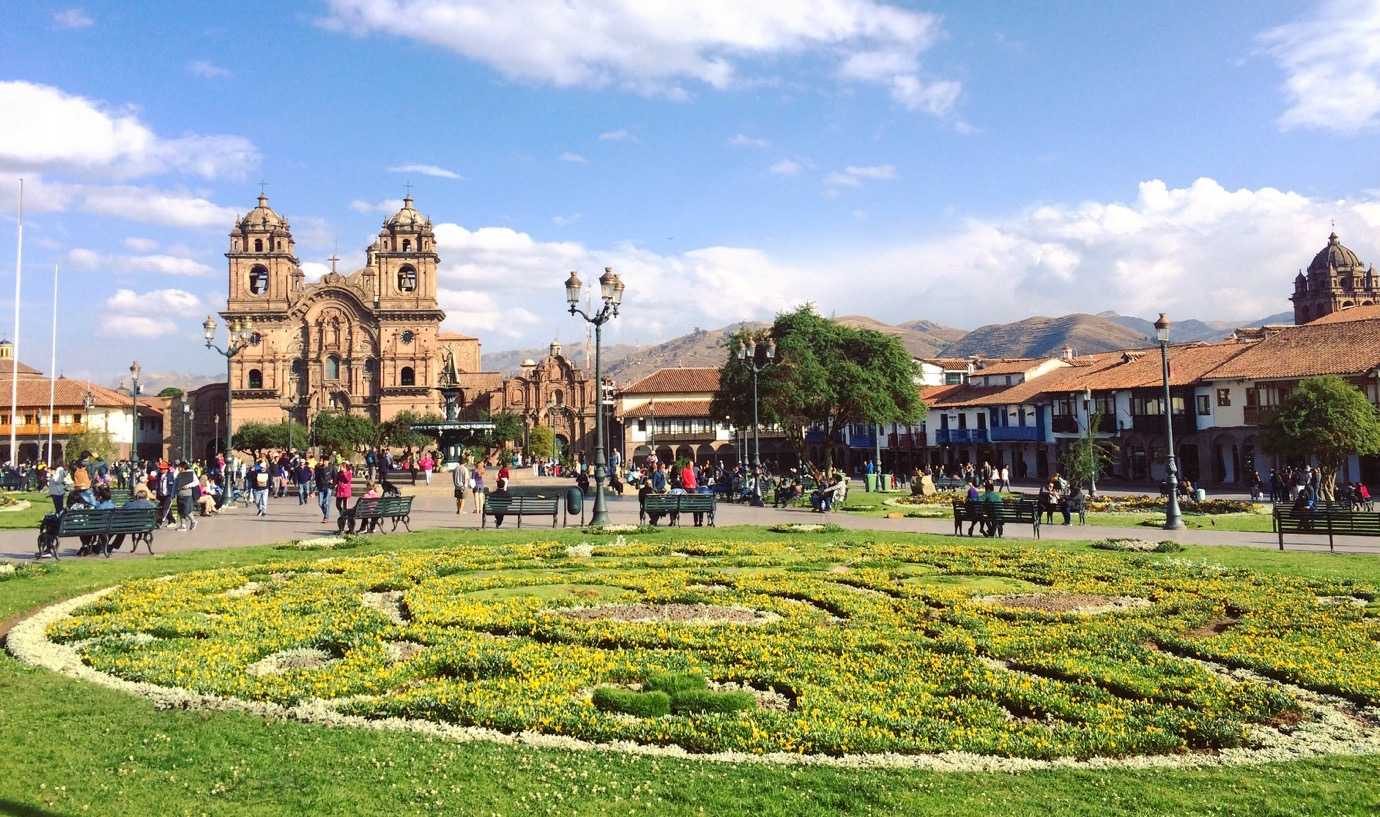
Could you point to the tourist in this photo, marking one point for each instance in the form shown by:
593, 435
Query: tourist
165, 489
1047, 500
186, 487
460, 479
1005, 476
427, 464
344, 486
991, 502
1076, 503
57, 485
305, 478
324, 477
477, 486
139, 499
81, 479
259, 482
206, 496
500, 492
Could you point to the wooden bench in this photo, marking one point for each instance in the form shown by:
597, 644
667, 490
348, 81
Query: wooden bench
1014, 512
1327, 520
677, 504
519, 506
948, 484
370, 510
101, 526
120, 495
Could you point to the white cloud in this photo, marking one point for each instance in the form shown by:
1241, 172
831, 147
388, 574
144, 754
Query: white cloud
785, 167
139, 326
158, 264
855, 175
565, 221
315, 269
1331, 65
141, 244
620, 135
386, 206
936, 98
435, 171
658, 48
208, 70
156, 207
742, 140
575, 158
145, 314
48, 129
476, 311
72, 18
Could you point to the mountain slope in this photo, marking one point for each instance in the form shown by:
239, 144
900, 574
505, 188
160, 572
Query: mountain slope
921, 338
1037, 336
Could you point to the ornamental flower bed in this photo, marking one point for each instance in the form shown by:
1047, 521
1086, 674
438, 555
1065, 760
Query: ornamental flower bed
903, 649
805, 527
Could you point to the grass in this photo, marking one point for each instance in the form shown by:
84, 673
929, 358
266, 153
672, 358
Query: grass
72, 748
39, 504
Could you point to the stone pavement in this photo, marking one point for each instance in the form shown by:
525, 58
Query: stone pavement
434, 508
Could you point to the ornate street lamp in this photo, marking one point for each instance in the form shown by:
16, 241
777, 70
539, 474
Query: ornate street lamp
1092, 455
748, 348
611, 293
1172, 519
241, 335
134, 370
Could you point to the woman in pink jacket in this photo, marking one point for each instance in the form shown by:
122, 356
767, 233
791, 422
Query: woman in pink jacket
344, 479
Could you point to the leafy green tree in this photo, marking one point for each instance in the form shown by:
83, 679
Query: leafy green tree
399, 432
96, 440
507, 427
257, 438
340, 433
826, 376
541, 442
1084, 460
170, 391
1325, 418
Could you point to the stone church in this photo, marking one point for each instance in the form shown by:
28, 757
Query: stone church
367, 341
1336, 280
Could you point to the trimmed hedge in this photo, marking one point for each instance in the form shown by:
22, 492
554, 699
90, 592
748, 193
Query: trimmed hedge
652, 704
705, 700
675, 683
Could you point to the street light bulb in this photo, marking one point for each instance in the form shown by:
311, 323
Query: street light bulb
1087, 395
771, 348
208, 329
607, 284
1162, 329
617, 290
572, 289
134, 370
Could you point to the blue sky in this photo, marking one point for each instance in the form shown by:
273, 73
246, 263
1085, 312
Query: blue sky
962, 163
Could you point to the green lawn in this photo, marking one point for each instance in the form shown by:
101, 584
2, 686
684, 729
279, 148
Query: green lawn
39, 504
72, 748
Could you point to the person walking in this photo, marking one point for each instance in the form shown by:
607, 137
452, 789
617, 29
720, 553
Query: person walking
427, 464
165, 490
57, 485
324, 477
477, 487
260, 480
460, 479
344, 486
304, 476
186, 486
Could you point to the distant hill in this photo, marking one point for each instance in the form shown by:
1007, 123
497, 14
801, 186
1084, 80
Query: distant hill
508, 362
1190, 330
921, 338
1040, 335
703, 347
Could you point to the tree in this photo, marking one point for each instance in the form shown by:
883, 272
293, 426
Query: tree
96, 440
1325, 418
399, 432
1084, 460
256, 437
826, 376
340, 433
507, 427
541, 442
171, 391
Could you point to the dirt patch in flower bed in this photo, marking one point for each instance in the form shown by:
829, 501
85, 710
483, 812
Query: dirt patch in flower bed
1082, 603
679, 613
287, 660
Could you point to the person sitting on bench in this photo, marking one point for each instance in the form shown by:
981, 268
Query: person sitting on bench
500, 492
140, 500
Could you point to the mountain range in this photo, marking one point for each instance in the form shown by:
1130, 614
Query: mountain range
1030, 337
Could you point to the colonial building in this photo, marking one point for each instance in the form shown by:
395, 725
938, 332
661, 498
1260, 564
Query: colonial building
554, 393
1336, 280
367, 341
667, 412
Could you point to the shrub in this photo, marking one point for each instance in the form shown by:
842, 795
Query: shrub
705, 700
674, 683
652, 704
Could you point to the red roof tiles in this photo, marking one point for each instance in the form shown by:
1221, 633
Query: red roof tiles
677, 380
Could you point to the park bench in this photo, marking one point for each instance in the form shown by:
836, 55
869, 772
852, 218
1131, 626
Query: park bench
120, 495
1329, 520
948, 484
12, 482
1008, 512
519, 506
98, 527
674, 505
369, 513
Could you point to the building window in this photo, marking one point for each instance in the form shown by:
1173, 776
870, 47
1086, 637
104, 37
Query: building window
1223, 397
641, 423
663, 426
332, 368
953, 378
256, 379
407, 377
258, 245
559, 397
407, 245
1204, 406
258, 280
407, 280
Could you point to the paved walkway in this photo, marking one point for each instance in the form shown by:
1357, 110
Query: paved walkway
434, 508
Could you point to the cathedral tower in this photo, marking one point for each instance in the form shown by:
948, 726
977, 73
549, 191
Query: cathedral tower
263, 264
1337, 279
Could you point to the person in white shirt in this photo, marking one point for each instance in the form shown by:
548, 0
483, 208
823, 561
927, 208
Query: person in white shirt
460, 478
57, 485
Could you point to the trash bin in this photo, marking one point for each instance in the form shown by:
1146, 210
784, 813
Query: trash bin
869, 482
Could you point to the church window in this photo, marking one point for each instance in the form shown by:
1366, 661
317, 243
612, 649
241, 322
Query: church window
559, 397
407, 377
332, 368
371, 367
256, 379
258, 245
407, 279
408, 336
407, 244
258, 280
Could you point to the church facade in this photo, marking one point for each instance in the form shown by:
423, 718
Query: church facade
1337, 279
368, 341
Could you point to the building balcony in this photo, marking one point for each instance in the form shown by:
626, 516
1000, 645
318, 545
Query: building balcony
1154, 424
960, 436
1064, 424
687, 437
1259, 415
894, 440
41, 429
1014, 434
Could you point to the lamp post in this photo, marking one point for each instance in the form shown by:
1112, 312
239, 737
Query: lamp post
186, 429
747, 355
1092, 455
611, 292
1172, 519
134, 370
215, 436
240, 335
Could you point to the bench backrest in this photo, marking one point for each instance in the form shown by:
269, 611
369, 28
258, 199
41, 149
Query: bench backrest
521, 505
367, 506
92, 521
132, 520
82, 521
395, 506
120, 495
1334, 519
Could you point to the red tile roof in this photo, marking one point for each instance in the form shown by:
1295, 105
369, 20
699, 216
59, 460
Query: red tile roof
1355, 313
1010, 365
1317, 348
677, 380
670, 408
1141, 368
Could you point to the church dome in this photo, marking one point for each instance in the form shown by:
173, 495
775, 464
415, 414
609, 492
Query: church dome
408, 218
262, 217
1335, 256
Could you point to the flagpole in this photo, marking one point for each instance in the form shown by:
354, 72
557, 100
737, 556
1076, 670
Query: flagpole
52, 368
14, 362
